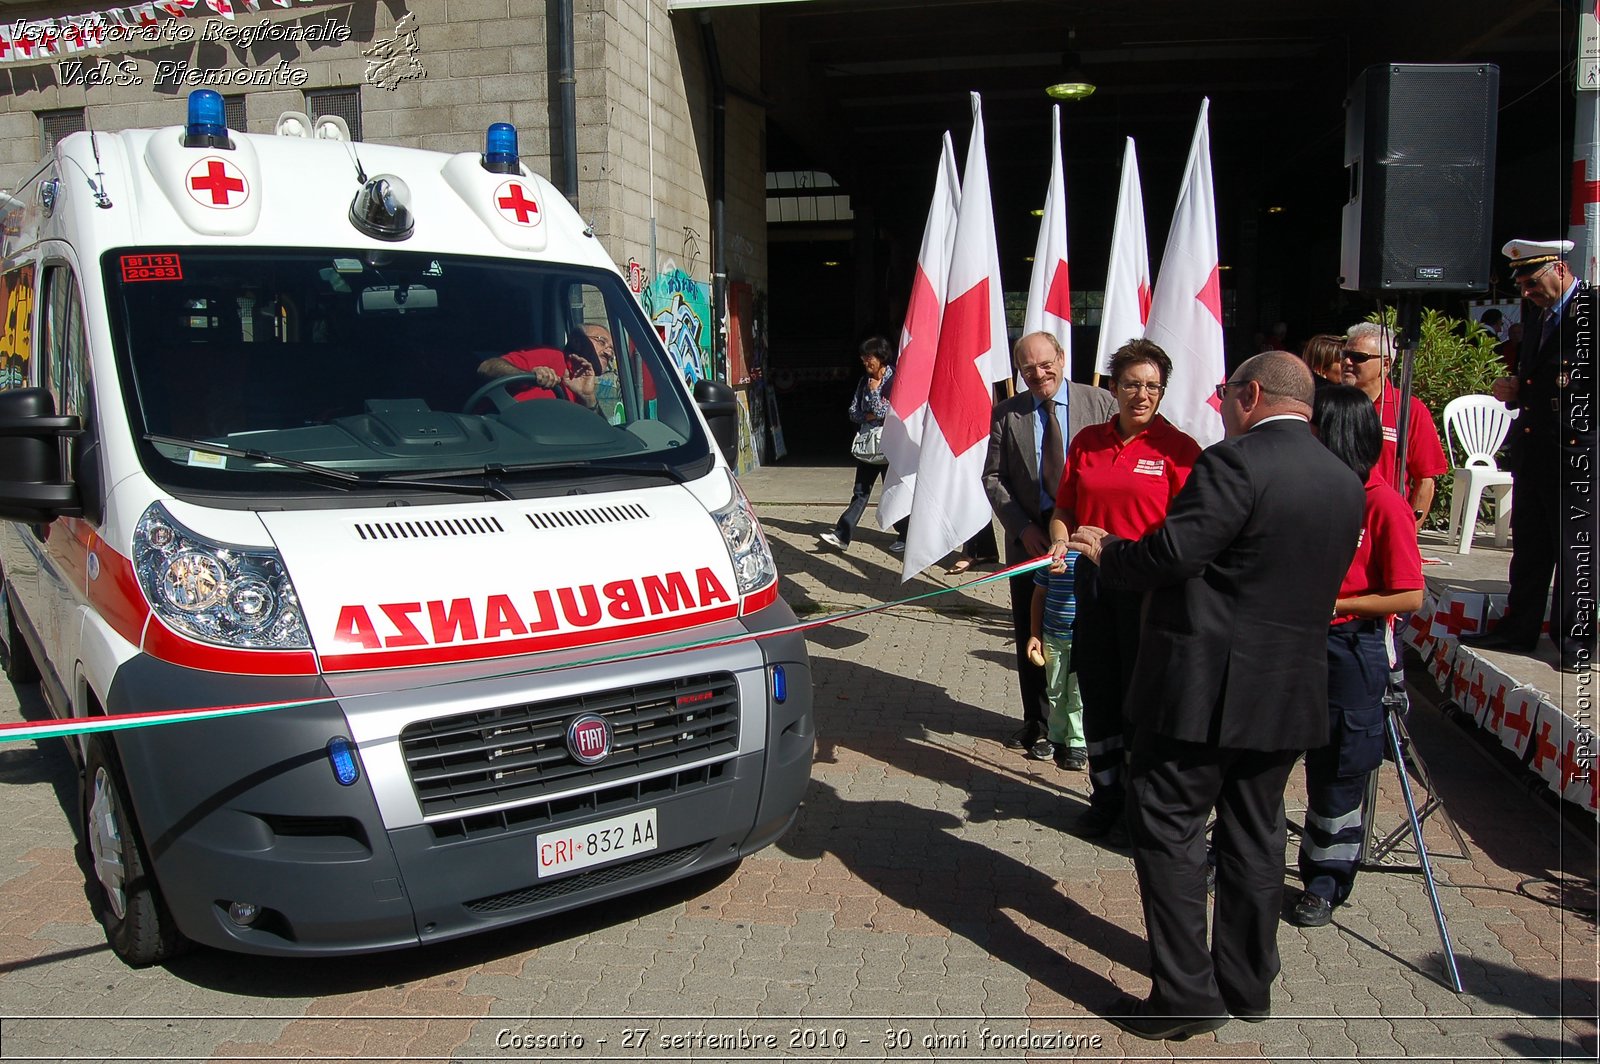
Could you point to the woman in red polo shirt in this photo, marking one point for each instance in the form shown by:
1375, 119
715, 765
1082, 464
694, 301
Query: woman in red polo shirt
1385, 578
1120, 476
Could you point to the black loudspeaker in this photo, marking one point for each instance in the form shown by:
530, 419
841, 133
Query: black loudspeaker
1419, 144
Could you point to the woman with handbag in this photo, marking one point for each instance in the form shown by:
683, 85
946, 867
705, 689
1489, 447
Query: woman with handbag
868, 409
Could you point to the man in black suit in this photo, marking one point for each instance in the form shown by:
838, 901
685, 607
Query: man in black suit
1553, 528
1021, 444
1229, 687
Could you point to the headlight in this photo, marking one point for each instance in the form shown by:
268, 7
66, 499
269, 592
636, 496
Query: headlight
230, 596
747, 545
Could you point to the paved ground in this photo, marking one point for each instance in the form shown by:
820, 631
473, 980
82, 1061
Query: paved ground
926, 905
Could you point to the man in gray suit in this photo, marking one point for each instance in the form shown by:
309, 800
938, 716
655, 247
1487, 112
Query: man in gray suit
1020, 475
1230, 686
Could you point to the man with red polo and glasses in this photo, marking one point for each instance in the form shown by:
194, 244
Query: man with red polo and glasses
1367, 357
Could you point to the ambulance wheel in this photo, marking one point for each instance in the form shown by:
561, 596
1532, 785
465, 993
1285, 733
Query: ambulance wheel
498, 393
20, 666
128, 902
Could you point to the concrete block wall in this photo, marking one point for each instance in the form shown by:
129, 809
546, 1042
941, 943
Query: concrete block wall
643, 99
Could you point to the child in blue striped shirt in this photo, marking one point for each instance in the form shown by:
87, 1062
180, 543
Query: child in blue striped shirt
1050, 645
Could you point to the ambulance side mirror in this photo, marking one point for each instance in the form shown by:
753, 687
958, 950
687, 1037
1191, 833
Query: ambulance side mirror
716, 402
32, 449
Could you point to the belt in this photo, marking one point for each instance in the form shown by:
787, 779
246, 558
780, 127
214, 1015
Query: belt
1360, 624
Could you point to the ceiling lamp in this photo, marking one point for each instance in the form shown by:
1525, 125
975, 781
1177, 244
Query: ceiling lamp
1073, 84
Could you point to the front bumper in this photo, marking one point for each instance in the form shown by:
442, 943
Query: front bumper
248, 809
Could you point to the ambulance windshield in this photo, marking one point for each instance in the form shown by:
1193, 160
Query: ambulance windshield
389, 365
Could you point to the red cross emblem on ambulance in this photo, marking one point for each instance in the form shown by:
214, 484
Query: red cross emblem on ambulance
216, 182
515, 202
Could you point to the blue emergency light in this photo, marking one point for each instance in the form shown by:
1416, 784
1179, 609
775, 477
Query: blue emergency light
780, 684
207, 126
342, 756
500, 149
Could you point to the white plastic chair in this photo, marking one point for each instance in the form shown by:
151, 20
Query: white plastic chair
1476, 425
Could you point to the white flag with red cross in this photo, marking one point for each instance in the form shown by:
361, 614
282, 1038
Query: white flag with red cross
1186, 311
1127, 299
1584, 222
950, 504
1049, 291
919, 341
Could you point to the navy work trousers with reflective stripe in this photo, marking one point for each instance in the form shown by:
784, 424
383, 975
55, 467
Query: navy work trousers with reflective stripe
1336, 774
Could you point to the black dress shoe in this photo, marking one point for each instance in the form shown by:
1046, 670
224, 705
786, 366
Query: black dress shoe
1311, 911
1500, 640
1132, 1015
1249, 1015
1097, 821
1024, 737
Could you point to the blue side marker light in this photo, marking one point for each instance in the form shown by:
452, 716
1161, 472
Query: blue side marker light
780, 684
500, 149
342, 756
207, 125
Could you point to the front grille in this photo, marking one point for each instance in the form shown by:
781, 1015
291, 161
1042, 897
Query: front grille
595, 877
518, 754
589, 805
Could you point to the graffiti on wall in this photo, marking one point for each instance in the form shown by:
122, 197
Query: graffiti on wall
16, 326
680, 308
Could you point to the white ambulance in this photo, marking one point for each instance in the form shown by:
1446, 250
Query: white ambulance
378, 437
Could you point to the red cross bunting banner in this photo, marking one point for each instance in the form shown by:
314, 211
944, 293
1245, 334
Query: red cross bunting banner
1574, 779
1459, 613
1552, 731
1416, 631
972, 354
1439, 660
1049, 290
1127, 298
1497, 687
1186, 310
1515, 727
919, 342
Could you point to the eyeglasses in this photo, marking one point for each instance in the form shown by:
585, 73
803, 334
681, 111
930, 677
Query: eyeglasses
1354, 357
1222, 389
1135, 387
1530, 282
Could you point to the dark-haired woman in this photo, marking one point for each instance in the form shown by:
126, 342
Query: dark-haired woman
868, 407
1385, 578
1120, 476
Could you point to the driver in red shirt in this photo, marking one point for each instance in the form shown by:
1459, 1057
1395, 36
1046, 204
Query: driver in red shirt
556, 374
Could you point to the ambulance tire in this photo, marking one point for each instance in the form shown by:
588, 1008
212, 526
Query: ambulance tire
20, 666
122, 886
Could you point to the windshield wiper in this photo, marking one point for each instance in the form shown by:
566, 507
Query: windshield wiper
587, 465
341, 477
337, 476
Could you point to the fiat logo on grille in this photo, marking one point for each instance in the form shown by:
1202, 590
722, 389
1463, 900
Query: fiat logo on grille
589, 738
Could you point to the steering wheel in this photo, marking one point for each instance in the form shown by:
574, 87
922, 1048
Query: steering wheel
497, 391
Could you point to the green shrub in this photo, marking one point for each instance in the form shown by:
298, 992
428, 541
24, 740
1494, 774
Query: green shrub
1456, 356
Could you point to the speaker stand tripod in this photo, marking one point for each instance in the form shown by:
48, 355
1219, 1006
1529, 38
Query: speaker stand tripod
1374, 849
1369, 851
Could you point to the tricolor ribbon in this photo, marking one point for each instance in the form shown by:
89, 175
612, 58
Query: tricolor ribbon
58, 729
